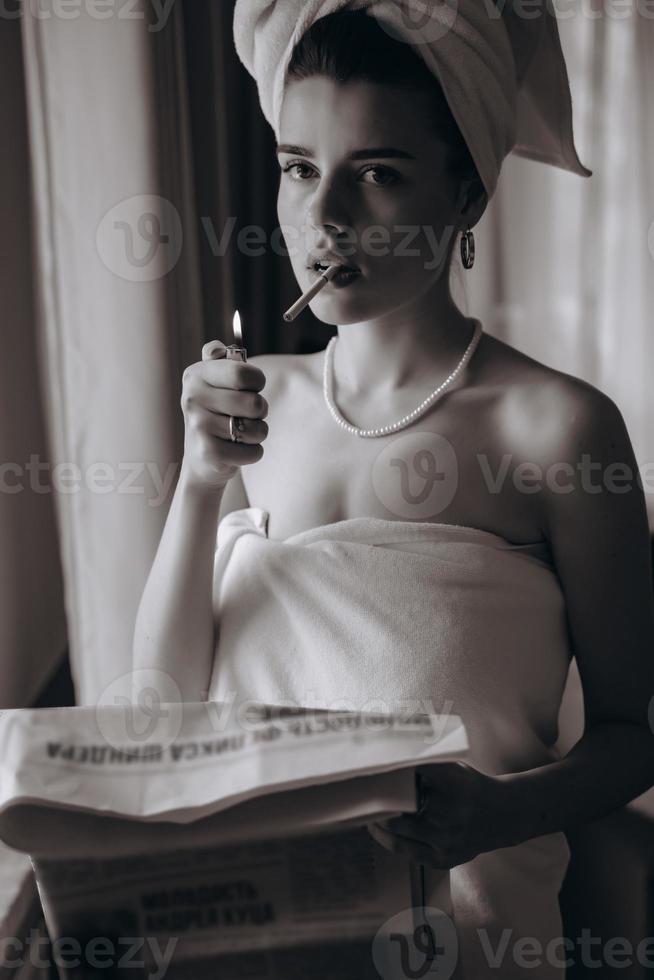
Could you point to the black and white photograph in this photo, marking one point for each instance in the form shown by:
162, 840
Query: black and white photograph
327, 490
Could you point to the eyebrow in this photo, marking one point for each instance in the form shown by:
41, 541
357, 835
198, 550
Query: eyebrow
379, 151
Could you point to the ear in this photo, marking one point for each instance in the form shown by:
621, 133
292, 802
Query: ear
473, 200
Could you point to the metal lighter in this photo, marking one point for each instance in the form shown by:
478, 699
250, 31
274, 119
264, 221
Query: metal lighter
235, 351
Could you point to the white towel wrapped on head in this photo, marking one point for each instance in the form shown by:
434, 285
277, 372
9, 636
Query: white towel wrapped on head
501, 68
369, 614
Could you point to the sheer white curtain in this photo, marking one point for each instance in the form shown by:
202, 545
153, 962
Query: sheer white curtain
565, 267
119, 313
565, 264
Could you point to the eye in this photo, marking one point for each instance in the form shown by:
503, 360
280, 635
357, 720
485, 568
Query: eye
292, 166
385, 171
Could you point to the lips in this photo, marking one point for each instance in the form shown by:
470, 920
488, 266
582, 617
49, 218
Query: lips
323, 262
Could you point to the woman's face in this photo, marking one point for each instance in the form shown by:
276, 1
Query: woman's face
391, 213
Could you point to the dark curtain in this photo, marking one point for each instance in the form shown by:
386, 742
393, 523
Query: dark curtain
236, 182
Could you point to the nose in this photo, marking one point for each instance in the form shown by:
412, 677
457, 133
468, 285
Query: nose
327, 209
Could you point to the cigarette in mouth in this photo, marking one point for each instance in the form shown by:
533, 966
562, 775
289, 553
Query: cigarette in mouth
323, 279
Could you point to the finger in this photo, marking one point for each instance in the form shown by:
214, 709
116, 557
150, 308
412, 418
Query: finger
213, 350
432, 855
415, 850
440, 775
389, 828
240, 375
251, 430
228, 401
417, 828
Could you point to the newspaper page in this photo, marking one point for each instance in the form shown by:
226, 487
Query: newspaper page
331, 887
241, 850
192, 764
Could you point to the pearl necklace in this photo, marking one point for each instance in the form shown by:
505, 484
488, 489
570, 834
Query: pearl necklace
412, 416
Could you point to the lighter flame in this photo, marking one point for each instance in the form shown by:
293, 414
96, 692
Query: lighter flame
238, 334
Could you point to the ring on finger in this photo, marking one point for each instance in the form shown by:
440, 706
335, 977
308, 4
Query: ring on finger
235, 424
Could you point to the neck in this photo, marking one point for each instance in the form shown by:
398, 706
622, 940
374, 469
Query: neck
418, 342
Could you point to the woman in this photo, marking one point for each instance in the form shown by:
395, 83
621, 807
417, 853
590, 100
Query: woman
546, 568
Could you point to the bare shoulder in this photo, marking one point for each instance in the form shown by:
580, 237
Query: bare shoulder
566, 441
545, 413
591, 474
584, 462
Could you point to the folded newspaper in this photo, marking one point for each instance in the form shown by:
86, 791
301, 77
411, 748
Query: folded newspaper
239, 840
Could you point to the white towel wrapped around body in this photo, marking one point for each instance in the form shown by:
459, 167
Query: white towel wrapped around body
374, 614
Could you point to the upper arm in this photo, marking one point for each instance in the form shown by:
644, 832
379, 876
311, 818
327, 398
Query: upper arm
595, 517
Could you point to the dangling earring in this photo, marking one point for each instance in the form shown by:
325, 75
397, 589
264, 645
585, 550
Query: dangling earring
468, 249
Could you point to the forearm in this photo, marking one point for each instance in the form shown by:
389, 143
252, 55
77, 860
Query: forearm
174, 631
609, 766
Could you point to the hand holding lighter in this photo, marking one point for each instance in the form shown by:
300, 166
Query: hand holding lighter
234, 352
